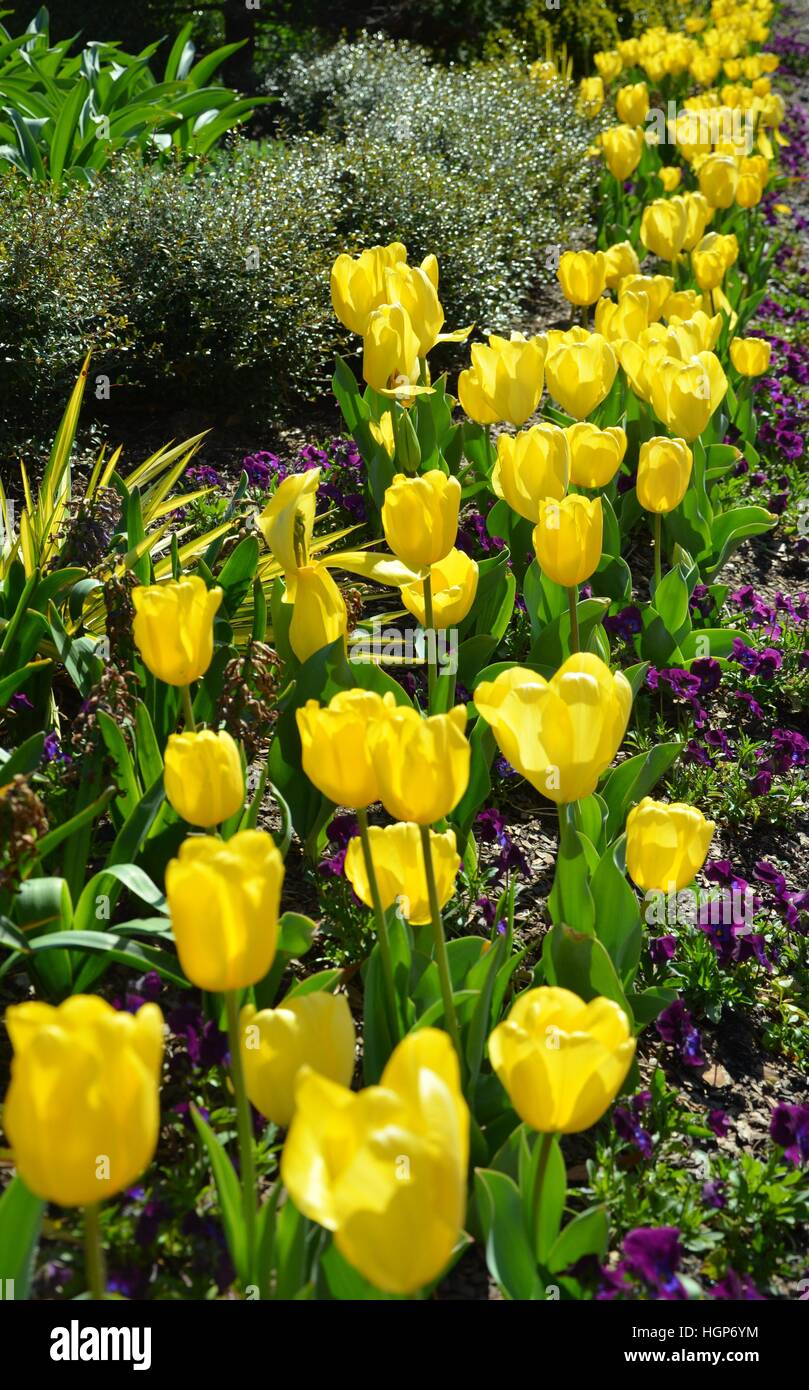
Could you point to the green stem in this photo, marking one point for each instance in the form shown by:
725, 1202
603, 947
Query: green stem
439, 944
560, 811
381, 924
95, 1271
572, 603
545, 1142
585, 316
429, 637
658, 544
244, 1127
188, 711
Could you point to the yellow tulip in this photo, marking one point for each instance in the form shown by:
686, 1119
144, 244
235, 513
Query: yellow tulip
632, 103
173, 628
664, 470
663, 227
386, 1169
412, 288
288, 521
750, 356
223, 898
82, 1113
670, 176
623, 147
621, 260
749, 191
562, 734
718, 177
399, 865
420, 517
504, 382
383, 433
335, 747
531, 466
700, 213
629, 50
580, 371
390, 349
683, 304
591, 95
666, 844
358, 283
686, 394
582, 276
203, 776
654, 289
626, 319
568, 538
312, 1030
609, 64
422, 764
562, 1061
698, 333
319, 616
595, 455
454, 586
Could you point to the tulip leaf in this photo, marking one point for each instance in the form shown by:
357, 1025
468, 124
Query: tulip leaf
618, 920
114, 948
237, 574
579, 962
570, 899
230, 1202
552, 647
20, 1223
649, 1003
325, 981
586, 1234
479, 1025
290, 1251
671, 602
345, 1283
711, 641
509, 1257
634, 779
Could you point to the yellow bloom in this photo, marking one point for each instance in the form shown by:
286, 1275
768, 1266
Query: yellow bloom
422, 764
454, 585
504, 382
288, 521
595, 455
683, 304
655, 289
663, 227
412, 287
203, 776
399, 864
623, 147
82, 1113
386, 1169
670, 176
591, 95
335, 746
666, 844
580, 371
319, 616
420, 517
718, 177
562, 1061
749, 191
632, 103
700, 213
531, 466
358, 283
620, 259
390, 348
685, 337
582, 276
664, 470
562, 734
173, 628
609, 64
568, 538
313, 1030
626, 319
223, 898
382, 431
750, 356
686, 394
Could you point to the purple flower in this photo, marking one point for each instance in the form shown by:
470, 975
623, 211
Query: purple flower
662, 949
713, 1195
708, 672
625, 624
202, 475
20, 701
492, 828
719, 1123
695, 753
676, 1027
629, 1128
654, 1254
760, 784
753, 705
789, 1128
737, 1288
791, 750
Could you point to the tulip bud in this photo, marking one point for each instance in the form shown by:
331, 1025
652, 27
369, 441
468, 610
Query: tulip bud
664, 470
718, 177
422, 764
408, 449
568, 539
336, 748
750, 356
749, 191
562, 734
623, 147
504, 382
700, 213
595, 455
319, 616
582, 276
620, 260
223, 898
531, 466
203, 776
562, 1061
82, 1113
591, 95
454, 586
411, 1132
685, 394
399, 866
666, 844
670, 176
173, 628
580, 370
420, 517
663, 227
313, 1030
632, 103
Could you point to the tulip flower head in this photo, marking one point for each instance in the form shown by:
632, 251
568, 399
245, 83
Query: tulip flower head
582, 275
531, 466
335, 745
666, 844
623, 147
580, 370
312, 1030
454, 584
750, 356
203, 776
319, 616
504, 382
595, 455
399, 866
420, 517
568, 539
358, 283
287, 523
173, 628
422, 764
664, 470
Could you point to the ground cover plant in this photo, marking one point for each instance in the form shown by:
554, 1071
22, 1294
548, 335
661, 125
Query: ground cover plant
402, 832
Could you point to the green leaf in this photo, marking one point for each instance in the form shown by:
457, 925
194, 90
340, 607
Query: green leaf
578, 962
631, 781
20, 1223
230, 1202
586, 1234
509, 1257
617, 914
570, 899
